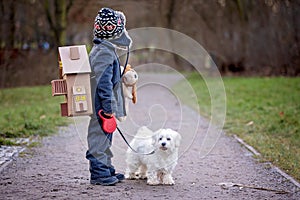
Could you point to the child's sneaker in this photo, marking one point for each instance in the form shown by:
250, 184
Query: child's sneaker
106, 181
120, 176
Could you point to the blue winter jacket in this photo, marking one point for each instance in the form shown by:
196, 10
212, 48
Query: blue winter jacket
106, 83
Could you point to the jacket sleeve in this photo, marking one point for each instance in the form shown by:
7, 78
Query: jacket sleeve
102, 64
105, 89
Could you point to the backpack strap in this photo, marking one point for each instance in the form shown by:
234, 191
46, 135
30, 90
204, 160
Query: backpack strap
126, 62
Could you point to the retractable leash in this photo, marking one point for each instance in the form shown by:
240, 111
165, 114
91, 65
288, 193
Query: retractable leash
109, 125
152, 152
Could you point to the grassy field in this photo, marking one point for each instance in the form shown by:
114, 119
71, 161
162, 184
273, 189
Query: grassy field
265, 112
28, 111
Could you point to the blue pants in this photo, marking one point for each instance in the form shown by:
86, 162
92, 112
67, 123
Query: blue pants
99, 153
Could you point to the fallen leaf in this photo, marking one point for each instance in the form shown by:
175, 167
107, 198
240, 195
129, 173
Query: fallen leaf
281, 114
250, 123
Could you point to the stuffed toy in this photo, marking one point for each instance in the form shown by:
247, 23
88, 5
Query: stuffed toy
129, 80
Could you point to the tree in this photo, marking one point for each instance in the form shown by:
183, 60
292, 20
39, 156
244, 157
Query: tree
56, 13
8, 11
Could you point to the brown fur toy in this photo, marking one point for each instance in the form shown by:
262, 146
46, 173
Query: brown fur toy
129, 80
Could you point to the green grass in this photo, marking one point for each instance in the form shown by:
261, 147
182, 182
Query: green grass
28, 111
265, 112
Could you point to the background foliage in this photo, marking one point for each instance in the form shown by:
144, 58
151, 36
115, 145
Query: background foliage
248, 37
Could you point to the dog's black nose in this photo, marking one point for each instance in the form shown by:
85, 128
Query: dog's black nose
163, 144
135, 76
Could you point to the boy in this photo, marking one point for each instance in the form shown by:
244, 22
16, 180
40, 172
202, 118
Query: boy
109, 33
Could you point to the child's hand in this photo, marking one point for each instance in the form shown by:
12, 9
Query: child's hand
108, 122
107, 114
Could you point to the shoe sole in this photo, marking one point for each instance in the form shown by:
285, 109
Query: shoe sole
104, 184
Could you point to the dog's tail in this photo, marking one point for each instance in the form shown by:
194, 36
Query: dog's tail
144, 132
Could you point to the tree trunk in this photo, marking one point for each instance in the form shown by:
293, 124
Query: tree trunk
10, 25
58, 21
61, 22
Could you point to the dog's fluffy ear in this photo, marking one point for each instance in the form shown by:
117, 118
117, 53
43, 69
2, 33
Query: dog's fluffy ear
177, 137
178, 140
155, 137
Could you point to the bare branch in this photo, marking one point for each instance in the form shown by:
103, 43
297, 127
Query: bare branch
70, 4
48, 14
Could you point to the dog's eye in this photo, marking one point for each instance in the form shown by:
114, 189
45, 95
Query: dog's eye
160, 138
168, 138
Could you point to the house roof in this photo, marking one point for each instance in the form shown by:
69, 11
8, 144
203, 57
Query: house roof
78, 64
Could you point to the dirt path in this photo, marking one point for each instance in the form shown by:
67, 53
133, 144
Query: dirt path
59, 170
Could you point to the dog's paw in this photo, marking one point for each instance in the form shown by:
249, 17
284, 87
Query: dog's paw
131, 176
153, 182
168, 180
142, 176
168, 183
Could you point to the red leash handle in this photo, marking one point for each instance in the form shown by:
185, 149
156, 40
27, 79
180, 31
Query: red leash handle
109, 124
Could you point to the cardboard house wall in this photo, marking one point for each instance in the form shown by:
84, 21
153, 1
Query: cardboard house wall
75, 82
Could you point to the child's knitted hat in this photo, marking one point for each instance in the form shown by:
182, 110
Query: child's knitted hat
109, 23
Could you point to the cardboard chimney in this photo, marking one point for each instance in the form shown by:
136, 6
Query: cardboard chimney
74, 71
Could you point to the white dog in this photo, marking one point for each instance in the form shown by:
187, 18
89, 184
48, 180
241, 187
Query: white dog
157, 167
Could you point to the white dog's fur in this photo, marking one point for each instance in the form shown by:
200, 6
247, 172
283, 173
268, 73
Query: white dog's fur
157, 167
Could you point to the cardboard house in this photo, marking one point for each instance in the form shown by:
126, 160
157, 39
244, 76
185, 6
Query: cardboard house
74, 82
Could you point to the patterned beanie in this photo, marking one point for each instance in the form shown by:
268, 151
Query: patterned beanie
109, 24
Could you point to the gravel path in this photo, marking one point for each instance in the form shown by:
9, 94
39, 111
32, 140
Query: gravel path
58, 169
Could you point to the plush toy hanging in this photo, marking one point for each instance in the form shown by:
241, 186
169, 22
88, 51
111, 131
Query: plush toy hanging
129, 80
